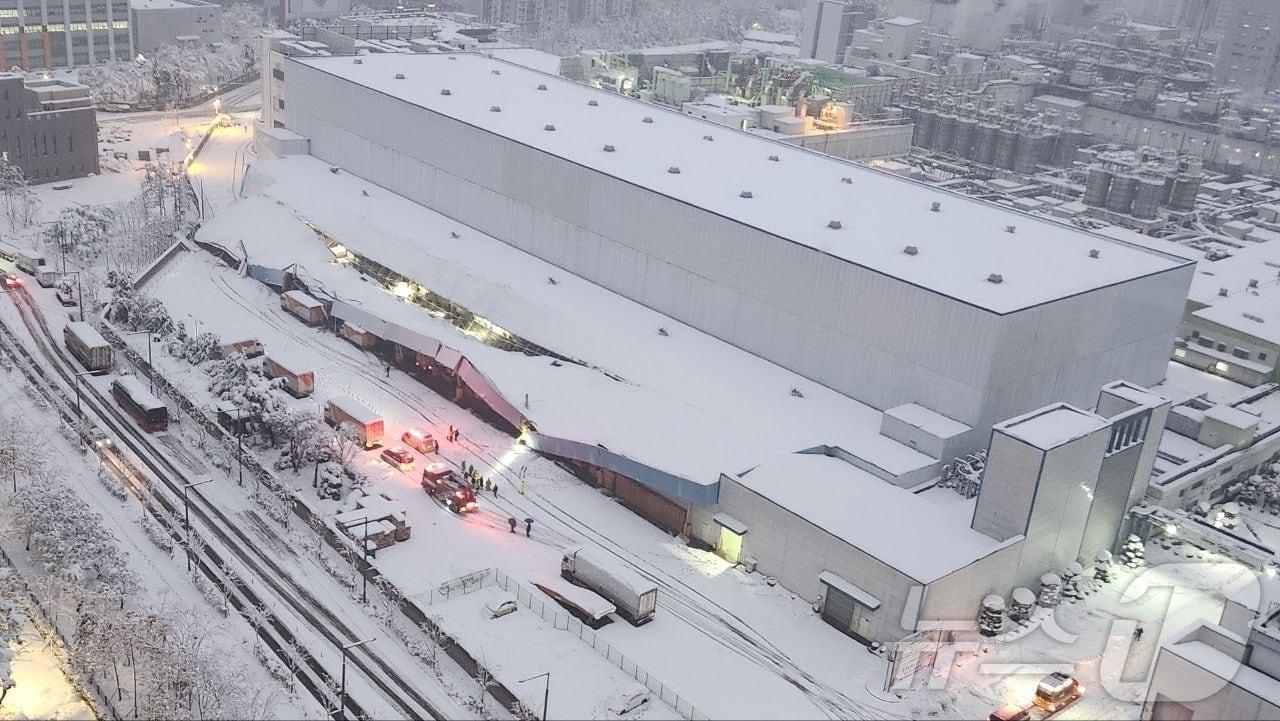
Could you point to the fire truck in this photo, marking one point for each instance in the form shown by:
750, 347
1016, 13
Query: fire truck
441, 483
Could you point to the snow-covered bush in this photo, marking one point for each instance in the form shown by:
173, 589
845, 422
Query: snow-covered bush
1072, 578
1133, 554
991, 617
139, 310
1102, 567
157, 535
196, 350
1023, 601
112, 484
1050, 590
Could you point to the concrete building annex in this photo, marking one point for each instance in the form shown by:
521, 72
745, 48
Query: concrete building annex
948, 315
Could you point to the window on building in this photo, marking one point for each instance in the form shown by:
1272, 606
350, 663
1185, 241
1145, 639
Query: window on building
1262, 356
1240, 353
1222, 347
280, 103
1195, 334
277, 73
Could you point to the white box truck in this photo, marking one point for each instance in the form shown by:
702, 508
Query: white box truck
635, 598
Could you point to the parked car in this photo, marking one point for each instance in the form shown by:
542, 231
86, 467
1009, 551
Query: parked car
12, 280
399, 458
501, 608
1057, 691
1010, 712
420, 441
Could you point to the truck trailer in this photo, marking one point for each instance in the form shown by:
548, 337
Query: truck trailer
635, 598
296, 382
308, 309
343, 412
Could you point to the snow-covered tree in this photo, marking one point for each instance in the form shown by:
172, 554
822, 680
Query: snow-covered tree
22, 449
1050, 590
1102, 567
10, 623
21, 204
196, 350
991, 617
82, 231
1072, 578
1133, 554
1023, 601
139, 310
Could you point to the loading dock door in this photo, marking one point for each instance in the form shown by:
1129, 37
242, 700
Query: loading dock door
730, 545
847, 607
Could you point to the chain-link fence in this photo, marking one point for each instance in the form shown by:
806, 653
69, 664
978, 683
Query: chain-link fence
564, 622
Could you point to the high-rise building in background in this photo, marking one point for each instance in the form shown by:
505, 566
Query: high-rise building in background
48, 128
1249, 51
39, 34
829, 26
531, 15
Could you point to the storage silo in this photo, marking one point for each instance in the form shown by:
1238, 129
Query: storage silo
962, 139
1185, 188
1123, 189
1006, 141
1097, 186
1064, 153
1147, 198
984, 142
926, 122
944, 132
1024, 154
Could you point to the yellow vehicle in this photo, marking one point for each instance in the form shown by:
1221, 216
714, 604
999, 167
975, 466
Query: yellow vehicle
1057, 691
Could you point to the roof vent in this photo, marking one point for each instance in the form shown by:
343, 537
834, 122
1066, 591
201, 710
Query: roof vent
935, 206
674, 170
495, 109
647, 119
995, 278
708, 137
446, 91
358, 61
399, 76
1253, 282
548, 126
593, 103
1222, 292
496, 71
911, 250
453, 57
847, 180
745, 194
542, 86
1095, 253
608, 148
774, 158
835, 225
1011, 229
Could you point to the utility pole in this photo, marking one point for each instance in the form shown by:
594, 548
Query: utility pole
151, 384
546, 691
342, 697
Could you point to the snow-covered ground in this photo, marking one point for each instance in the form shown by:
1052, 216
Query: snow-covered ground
43, 690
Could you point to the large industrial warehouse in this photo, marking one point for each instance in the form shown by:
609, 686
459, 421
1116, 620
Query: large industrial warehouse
944, 322
877, 287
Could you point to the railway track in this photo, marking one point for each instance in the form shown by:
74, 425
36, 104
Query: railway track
281, 590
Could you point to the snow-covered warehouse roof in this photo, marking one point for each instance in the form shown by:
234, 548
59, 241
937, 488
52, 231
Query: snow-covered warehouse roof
796, 194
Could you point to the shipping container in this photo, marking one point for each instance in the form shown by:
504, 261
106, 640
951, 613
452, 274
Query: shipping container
308, 309
635, 598
145, 408
29, 261
344, 412
47, 277
297, 383
358, 336
88, 346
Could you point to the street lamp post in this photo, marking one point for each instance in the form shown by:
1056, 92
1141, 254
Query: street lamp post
342, 696
546, 692
186, 514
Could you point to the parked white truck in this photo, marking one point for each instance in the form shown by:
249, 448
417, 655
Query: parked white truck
635, 598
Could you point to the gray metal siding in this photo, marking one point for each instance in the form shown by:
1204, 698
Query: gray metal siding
875, 338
